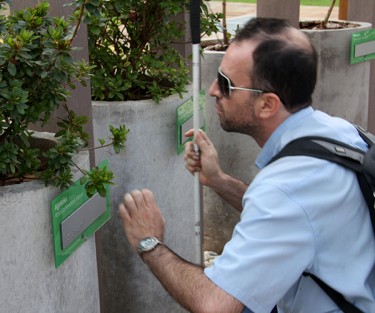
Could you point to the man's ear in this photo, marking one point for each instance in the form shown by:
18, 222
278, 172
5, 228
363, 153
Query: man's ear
269, 105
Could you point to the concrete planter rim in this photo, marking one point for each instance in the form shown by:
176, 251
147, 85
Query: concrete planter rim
37, 184
144, 102
361, 25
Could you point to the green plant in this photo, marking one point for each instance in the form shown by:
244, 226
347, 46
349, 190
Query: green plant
132, 47
37, 70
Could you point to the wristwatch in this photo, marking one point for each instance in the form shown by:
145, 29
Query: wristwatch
147, 244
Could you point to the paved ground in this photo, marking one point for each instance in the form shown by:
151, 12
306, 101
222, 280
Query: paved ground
239, 13
239, 9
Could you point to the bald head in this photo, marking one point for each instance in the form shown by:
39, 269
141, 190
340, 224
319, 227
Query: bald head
261, 29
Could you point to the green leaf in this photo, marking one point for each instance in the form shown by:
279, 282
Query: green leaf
12, 70
83, 180
101, 190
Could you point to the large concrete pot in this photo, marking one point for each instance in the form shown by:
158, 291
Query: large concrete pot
29, 282
342, 89
149, 161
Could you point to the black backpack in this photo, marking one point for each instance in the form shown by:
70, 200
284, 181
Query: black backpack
363, 163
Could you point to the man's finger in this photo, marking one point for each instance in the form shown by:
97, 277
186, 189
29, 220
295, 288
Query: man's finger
190, 152
123, 212
148, 198
202, 138
138, 199
189, 133
130, 204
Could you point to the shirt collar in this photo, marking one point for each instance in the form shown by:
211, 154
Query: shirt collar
274, 143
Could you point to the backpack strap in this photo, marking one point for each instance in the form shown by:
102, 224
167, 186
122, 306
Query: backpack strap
347, 156
324, 148
365, 135
335, 151
335, 296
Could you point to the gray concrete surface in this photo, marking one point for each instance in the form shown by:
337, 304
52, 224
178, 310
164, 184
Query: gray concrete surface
29, 282
150, 161
342, 88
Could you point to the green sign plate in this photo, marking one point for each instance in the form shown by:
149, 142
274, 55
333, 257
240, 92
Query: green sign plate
363, 46
76, 217
184, 119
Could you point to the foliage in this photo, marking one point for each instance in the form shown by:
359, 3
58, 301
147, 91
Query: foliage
132, 47
37, 72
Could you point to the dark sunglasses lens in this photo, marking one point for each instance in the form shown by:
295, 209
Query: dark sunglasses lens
223, 84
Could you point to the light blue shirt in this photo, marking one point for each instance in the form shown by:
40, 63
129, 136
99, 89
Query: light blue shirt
300, 214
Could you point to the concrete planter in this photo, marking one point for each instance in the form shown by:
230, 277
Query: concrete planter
342, 89
150, 161
29, 281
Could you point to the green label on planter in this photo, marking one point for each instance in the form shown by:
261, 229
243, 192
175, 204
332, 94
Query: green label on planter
76, 217
184, 119
363, 46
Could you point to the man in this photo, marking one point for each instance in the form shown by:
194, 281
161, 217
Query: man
299, 214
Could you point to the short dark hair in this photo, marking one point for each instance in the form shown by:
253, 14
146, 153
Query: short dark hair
261, 28
287, 70
281, 65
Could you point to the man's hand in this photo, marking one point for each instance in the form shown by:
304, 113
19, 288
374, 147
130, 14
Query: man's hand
141, 217
207, 163
211, 175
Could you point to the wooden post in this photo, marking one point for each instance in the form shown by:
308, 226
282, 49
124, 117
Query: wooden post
288, 10
343, 10
364, 11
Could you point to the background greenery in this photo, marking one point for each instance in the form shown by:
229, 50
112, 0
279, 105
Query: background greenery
303, 2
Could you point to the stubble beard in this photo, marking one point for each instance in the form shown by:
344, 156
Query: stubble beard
249, 127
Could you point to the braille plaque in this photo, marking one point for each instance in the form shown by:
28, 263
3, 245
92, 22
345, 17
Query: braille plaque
76, 217
184, 119
78, 221
362, 46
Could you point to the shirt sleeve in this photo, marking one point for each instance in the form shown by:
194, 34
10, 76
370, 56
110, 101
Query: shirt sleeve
270, 248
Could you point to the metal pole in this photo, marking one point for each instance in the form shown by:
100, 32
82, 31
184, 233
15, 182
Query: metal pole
195, 34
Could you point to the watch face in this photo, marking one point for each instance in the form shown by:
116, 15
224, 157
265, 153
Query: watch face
147, 244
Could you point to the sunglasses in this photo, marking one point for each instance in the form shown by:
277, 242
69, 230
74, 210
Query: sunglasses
226, 86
